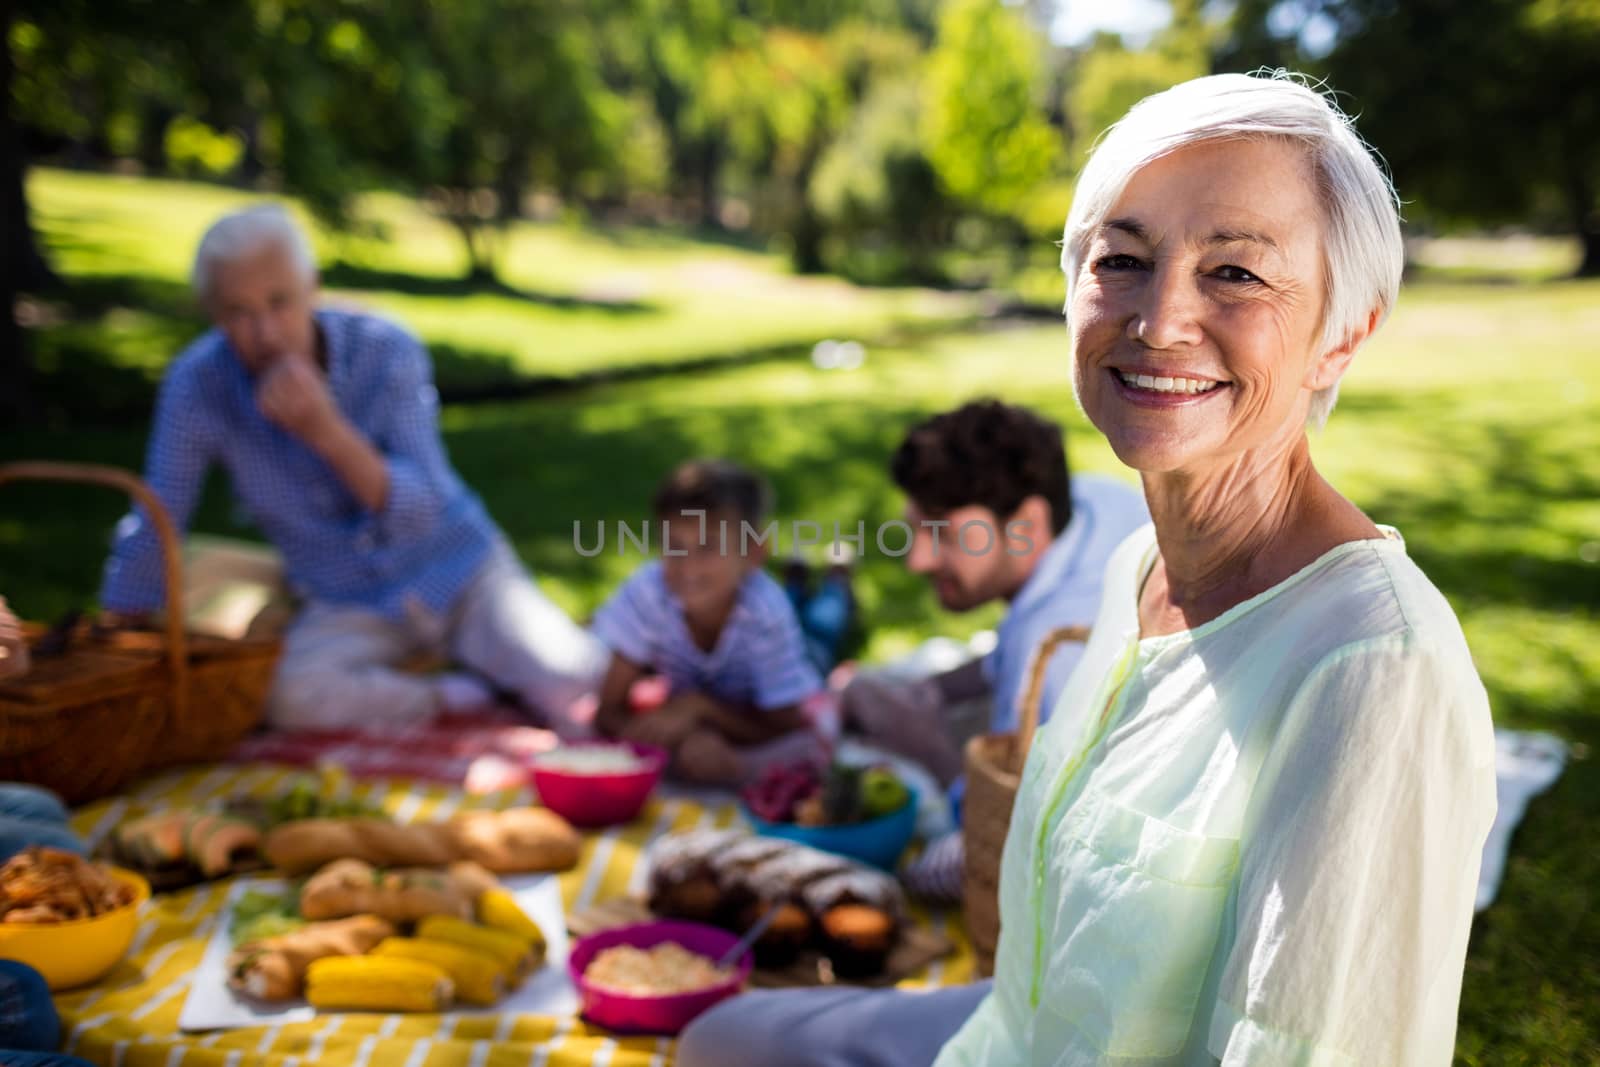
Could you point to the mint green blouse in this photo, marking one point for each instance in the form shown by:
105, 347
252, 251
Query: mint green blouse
1255, 842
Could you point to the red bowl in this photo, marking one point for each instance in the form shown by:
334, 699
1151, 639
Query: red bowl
599, 799
667, 1013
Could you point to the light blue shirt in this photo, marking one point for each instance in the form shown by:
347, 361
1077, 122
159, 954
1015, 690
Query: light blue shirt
1063, 590
759, 658
427, 542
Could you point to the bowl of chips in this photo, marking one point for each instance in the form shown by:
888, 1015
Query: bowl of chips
67, 918
654, 977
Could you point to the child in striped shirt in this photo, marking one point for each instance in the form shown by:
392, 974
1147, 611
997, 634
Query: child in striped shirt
721, 632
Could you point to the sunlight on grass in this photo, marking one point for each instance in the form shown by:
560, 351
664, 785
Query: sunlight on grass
574, 300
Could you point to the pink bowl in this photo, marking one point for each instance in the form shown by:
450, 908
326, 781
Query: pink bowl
599, 799
665, 1014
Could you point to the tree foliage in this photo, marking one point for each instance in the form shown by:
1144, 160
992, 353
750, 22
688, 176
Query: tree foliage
986, 131
1487, 111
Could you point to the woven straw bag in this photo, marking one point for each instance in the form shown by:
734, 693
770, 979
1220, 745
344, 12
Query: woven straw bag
994, 768
117, 702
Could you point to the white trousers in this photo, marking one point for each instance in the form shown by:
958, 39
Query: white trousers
339, 664
831, 1026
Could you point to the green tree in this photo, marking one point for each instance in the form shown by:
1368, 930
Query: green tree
985, 126
777, 105
524, 101
886, 214
1108, 79
1496, 119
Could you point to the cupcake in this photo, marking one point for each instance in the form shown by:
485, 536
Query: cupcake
779, 882
858, 913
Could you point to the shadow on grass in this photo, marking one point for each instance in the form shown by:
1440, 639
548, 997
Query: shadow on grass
350, 276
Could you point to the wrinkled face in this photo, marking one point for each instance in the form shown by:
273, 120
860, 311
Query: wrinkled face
966, 561
1198, 308
704, 577
262, 302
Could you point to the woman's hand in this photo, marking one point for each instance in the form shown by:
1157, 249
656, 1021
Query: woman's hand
14, 660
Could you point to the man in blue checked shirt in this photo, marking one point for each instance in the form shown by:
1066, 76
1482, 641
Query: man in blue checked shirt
327, 424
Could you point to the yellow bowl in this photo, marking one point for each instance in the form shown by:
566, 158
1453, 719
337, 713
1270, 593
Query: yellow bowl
75, 953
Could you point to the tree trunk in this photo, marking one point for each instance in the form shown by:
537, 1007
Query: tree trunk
251, 168
1589, 266
509, 183
710, 202
154, 120
480, 254
20, 263
807, 237
1585, 212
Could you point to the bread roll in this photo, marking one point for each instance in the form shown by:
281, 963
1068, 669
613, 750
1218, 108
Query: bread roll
274, 968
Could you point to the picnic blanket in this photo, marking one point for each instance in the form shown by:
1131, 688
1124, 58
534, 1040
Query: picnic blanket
130, 1018
481, 752
1526, 764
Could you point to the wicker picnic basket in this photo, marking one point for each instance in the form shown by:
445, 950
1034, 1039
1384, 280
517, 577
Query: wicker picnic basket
117, 702
994, 769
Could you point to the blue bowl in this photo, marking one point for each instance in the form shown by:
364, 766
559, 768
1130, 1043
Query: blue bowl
877, 841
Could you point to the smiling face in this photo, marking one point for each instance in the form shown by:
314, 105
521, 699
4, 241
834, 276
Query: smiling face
1197, 312
705, 575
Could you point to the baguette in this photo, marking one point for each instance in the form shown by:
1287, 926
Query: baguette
506, 842
308, 844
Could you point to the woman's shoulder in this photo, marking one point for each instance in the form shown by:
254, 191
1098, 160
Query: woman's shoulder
1391, 634
1372, 589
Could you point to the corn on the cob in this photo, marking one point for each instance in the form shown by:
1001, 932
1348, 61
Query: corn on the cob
499, 910
479, 977
515, 955
370, 983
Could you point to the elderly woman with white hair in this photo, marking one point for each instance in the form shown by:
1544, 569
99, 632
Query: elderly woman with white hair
1250, 833
326, 421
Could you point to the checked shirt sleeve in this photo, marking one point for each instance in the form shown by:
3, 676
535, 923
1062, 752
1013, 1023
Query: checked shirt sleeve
182, 447
420, 479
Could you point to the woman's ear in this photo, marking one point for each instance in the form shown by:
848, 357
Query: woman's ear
1331, 365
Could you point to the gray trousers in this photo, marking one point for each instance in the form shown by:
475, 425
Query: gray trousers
340, 663
836, 1026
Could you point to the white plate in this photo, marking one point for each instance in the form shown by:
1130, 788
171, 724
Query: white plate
211, 1005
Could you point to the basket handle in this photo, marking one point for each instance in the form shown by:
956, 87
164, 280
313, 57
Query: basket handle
1033, 696
166, 534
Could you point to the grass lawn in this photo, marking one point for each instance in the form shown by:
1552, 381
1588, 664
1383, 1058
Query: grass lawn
574, 300
1472, 422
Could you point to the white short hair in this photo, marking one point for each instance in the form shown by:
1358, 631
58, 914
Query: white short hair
1362, 247
244, 232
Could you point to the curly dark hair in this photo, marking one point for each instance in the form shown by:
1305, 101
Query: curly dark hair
987, 453
713, 485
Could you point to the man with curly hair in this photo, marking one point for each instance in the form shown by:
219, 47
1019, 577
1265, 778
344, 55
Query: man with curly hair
994, 515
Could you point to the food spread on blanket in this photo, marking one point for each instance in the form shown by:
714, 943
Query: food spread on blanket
850, 912
660, 970
389, 917
591, 759
178, 847
359, 938
842, 796
50, 885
